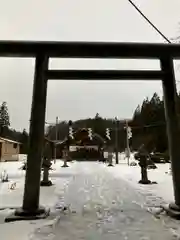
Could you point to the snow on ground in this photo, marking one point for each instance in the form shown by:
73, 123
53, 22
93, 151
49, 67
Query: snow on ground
13, 198
100, 207
62, 177
162, 190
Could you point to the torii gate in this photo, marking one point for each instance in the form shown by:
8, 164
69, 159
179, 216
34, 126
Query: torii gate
42, 51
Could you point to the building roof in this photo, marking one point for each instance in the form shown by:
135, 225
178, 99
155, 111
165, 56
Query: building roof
8, 140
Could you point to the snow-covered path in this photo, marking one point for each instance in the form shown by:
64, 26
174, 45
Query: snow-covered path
103, 207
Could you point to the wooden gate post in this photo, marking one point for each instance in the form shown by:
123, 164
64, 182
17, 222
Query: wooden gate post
36, 141
170, 97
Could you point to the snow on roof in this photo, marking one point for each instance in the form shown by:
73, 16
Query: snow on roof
8, 140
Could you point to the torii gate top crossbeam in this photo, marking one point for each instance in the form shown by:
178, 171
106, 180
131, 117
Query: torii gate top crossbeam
88, 49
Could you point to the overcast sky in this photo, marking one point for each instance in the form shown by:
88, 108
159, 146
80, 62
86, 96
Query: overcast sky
80, 20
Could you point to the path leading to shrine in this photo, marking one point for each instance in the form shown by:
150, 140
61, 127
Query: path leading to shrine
100, 206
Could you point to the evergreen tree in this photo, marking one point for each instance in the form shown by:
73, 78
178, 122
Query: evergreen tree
4, 115
4, 119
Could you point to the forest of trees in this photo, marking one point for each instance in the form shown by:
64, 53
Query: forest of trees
148, 126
